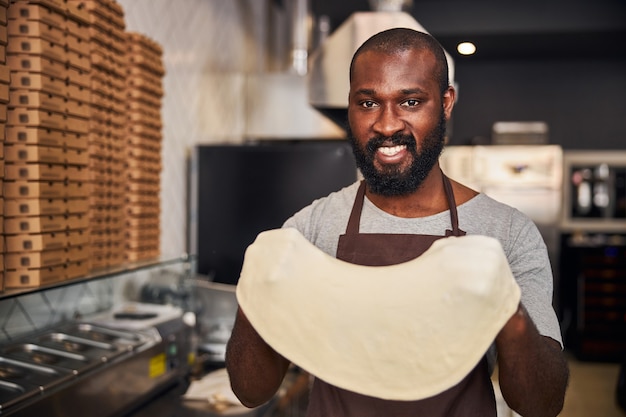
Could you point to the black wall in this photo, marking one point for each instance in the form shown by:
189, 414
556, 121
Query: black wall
583, 101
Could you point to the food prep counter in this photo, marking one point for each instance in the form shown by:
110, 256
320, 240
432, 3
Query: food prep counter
185, 400
171, 404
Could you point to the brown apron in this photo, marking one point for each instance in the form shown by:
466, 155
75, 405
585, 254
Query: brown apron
472, 397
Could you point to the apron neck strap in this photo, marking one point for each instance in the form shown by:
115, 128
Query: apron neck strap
454, 217
357, 208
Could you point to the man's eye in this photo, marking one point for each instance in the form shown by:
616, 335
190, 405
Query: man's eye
368, 103
411, 102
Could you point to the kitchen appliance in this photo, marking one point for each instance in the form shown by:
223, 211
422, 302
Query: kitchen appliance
527, 177
519, 133
98, 368
594, 194
593, 254
330, 63
593, 295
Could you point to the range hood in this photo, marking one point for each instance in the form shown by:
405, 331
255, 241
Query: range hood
329, 64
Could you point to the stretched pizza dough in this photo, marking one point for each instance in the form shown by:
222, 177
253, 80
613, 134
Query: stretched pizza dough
401, 332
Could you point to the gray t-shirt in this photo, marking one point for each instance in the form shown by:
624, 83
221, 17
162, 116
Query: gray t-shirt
325, 219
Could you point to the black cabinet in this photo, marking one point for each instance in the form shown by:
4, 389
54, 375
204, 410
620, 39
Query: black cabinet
593, 295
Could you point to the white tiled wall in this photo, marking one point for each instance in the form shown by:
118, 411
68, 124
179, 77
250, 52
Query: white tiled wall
208, 46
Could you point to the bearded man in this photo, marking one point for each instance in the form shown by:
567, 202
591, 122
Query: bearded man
399, 102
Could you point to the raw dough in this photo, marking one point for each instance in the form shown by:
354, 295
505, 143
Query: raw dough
400, 332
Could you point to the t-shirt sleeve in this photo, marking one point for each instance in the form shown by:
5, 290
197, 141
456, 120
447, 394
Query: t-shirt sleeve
530, 264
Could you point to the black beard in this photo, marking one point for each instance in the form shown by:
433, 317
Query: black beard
393, 181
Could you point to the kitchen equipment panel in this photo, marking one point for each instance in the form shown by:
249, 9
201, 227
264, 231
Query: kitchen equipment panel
594, 194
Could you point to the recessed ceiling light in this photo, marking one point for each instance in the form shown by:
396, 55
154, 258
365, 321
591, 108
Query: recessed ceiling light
466, 48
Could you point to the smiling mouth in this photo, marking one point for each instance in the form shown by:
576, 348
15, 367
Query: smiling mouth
391, 150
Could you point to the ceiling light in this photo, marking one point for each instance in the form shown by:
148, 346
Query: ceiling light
466, 48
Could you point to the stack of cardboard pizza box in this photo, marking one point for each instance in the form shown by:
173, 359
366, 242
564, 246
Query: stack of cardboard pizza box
143, 146
5, 78
107, 131
80, 132
46, 161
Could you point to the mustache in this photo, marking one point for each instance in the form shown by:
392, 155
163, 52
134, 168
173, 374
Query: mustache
395, 140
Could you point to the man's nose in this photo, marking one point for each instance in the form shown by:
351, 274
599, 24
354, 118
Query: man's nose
388, 121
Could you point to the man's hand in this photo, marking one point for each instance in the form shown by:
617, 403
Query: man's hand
533, 371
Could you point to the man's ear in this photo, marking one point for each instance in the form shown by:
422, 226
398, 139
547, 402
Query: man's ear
449, 98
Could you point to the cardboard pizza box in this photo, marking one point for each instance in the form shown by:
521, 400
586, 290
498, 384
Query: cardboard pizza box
27, 10
4, 92
36, 259
136, 71
107, 34
19, 116
148, 132
147, 84
145, 42
68, 10
35, 277
78, 269
143, 154
38, 81
22, 153
5, 74
39, 100
56, 35
107, 60
45, 224
4, 34
147, 188
133, 198
146, 97
45, 207
144, 139
144, 119
59, 53
4, 18
143, 176
44, 189
45, 241
107, 11
142, 223
46, 172
155, 113
149, 64
142, 235
45, 137
47, 66
108, 79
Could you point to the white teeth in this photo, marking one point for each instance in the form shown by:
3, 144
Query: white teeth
391, 150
